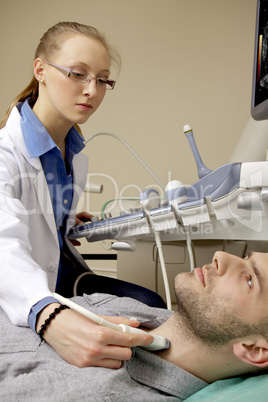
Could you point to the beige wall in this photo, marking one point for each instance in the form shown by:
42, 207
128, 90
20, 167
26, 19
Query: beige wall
184, 62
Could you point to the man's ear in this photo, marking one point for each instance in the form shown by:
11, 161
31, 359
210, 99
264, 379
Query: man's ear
254, 352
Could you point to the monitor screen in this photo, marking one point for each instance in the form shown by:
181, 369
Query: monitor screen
259, 105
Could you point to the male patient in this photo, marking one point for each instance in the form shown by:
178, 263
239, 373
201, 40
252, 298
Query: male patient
220, 330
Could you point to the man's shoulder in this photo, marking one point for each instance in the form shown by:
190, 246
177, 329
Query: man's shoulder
101, 303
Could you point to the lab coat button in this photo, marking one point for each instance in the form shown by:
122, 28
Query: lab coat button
52, 267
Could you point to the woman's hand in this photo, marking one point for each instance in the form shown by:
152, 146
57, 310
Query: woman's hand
81, 218
83, 343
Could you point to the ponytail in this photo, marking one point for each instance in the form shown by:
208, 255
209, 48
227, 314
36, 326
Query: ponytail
31, 91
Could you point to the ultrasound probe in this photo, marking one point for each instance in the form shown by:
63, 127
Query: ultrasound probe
159, 342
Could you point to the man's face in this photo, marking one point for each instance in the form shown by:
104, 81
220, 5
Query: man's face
225, 299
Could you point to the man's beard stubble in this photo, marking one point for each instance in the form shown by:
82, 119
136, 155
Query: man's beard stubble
207, 317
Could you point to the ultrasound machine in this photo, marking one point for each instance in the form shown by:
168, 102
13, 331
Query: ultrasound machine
228, 203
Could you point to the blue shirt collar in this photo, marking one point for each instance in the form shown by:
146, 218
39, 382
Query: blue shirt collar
37, 139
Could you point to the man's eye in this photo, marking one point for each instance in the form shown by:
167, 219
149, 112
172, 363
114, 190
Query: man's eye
249, 280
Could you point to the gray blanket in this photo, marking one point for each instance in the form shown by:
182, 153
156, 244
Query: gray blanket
33, 371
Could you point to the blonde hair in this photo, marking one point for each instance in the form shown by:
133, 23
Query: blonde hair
49, 45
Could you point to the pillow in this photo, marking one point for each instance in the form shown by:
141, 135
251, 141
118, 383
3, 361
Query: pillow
253, 388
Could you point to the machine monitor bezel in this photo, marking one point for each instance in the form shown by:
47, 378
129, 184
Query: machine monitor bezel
259, 104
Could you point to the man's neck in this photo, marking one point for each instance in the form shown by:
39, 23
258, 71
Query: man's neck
207, 363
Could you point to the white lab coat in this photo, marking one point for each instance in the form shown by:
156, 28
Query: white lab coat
29, 249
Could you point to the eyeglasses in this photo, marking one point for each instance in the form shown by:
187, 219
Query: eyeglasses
84, 78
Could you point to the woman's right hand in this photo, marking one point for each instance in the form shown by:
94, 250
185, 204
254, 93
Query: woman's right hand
83, 343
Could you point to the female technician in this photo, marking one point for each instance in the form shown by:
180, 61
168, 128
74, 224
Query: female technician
42, 175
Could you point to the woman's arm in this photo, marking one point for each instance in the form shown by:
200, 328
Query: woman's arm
81, 342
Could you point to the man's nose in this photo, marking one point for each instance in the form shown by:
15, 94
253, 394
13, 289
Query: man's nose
221, 262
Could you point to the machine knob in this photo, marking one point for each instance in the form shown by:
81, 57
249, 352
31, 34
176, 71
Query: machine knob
150, 199
176, 191
128, 211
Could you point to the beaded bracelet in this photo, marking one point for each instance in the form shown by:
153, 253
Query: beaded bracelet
48, 320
